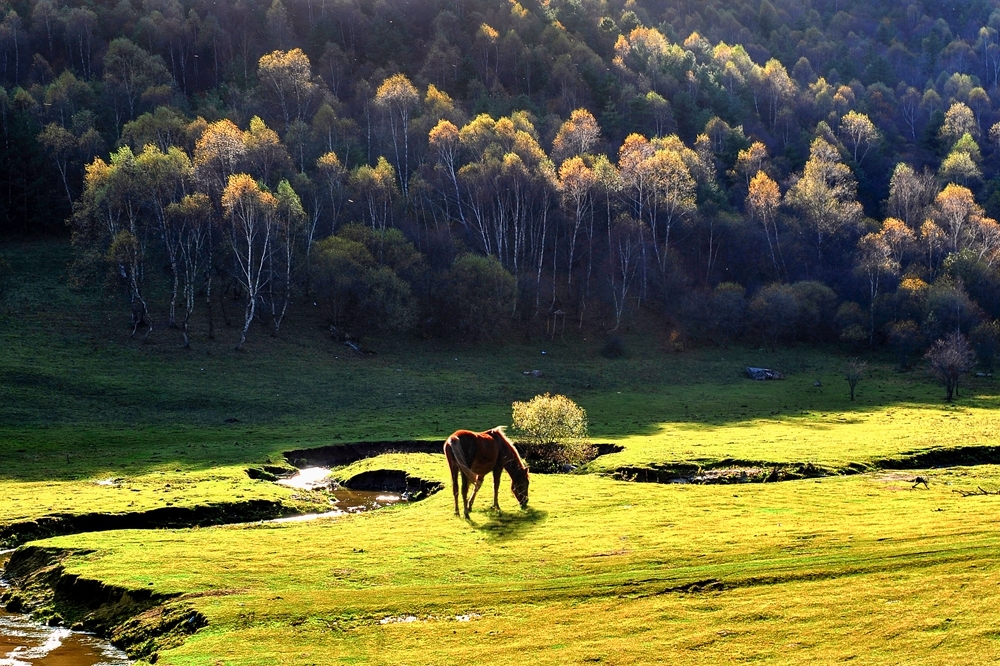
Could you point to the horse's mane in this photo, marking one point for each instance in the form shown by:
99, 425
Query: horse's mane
500, 434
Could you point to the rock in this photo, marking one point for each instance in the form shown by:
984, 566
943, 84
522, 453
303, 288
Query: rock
763, 374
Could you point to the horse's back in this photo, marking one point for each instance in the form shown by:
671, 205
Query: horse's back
477, 450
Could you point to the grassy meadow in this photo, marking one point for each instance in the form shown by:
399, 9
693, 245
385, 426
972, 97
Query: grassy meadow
861, 567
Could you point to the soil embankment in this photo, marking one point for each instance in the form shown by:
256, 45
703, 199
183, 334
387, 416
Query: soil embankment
140, 621
163, 517
730, 471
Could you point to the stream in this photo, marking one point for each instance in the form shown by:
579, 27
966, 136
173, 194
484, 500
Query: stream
343, 500
27, 643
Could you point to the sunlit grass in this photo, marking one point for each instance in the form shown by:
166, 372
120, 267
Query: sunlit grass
858, 566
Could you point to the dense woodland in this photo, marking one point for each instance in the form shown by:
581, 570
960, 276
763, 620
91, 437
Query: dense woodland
773, 170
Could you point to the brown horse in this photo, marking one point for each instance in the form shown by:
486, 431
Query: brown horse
476, 453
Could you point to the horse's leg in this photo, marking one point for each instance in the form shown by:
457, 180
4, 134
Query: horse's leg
453, 468
475, 491
465, 494
497, 472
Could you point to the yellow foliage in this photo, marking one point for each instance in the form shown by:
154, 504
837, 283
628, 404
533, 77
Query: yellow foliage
549, 419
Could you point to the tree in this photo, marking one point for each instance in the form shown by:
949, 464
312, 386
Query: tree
220, 152
109, 225
950, 357
289, 226
250, 214
266, 155
985, 338
333, 175
958, 167
958, 215
576, 136
61, 145
958, 120
910, 193
377, 186
824, 194
287, 78
625, 240
190, 222
163, 128
763, 199
445, 143
859, 134
556, 421
131, 73
874, 260
751, 161
397, 97
854, 372
658, 181
906, 338
576, 182
162, 178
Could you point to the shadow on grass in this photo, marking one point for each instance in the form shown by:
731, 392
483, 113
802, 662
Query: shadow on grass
510, 524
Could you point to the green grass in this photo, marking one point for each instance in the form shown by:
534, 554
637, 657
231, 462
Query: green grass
849, 566
826, 570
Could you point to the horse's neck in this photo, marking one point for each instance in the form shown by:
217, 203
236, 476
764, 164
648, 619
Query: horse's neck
511, 461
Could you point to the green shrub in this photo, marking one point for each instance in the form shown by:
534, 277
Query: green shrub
481, 296
552, 430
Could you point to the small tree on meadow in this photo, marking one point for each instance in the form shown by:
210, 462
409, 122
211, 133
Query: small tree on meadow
950, 357
854, 372
554, 428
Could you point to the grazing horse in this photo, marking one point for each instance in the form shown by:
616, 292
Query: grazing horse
476, 453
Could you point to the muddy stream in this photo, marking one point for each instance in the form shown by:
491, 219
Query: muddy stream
27, 643
342, 500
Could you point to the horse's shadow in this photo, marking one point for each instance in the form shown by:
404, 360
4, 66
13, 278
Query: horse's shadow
510, 524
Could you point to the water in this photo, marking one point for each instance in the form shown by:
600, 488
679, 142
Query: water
344, 501
27, 643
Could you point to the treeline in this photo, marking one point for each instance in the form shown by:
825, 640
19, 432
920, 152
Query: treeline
834, 157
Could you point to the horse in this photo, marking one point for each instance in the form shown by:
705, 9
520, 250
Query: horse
476, 453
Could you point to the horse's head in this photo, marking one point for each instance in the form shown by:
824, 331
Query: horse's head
515, 466
519, 486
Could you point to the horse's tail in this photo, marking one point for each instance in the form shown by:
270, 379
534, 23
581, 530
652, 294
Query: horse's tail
454, 443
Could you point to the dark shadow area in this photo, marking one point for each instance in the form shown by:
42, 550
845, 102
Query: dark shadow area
510, 524
338, 455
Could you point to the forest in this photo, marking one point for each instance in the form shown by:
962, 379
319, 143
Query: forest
771, 171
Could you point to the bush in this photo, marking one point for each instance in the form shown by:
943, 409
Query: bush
728, 311
481, 297
553, 431
613, 347
356, 291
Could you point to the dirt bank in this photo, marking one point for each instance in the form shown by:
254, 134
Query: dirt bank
140, 622
164, 517
748, 471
